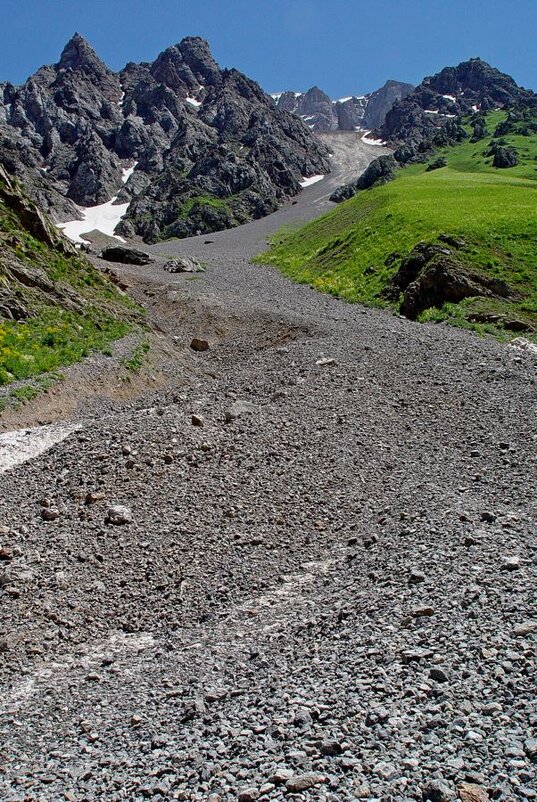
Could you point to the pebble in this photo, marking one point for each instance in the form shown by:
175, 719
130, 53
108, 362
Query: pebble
325, 361
331, 747
438, 674
248, 795
437, 791
50, 513
470, 792
281, 776
510, 564
424, 611
525, 628
416, 577
301, 782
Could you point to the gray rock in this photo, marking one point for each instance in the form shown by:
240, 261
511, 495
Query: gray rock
330, 747
438, 791
438, 674
119, 514
198, 344
416, 577
302, 782
184, 264
248, 795
525, 628
510, 564
281, 776
50, 513
129, 256
238, 409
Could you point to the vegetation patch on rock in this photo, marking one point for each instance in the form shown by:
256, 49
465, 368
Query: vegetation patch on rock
55, 307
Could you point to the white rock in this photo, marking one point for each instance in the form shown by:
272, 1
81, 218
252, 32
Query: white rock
118, 514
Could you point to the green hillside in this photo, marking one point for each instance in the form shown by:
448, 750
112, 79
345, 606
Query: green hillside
355, 250
55, 307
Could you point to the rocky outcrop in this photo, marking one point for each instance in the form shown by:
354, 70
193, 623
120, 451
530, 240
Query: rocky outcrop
39, 268
322, 114
431, 276
503, 155
177, 131
437, 164
380, 171
30, 216
470, 87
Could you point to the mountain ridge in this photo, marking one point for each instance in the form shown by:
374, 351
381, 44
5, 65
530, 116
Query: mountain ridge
73, 129
472, 86
356, 112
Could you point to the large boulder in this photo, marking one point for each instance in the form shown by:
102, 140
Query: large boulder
127, 256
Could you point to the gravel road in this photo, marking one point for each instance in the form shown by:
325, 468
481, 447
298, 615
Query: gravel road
307, 574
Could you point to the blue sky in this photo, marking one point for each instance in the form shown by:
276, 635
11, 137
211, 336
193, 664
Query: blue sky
344, 46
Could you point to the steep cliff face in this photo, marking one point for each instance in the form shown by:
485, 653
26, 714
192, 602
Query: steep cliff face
322, 114
381, 102
165, 135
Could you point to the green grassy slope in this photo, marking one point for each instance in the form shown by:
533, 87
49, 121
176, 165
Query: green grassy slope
493, 210
55, 307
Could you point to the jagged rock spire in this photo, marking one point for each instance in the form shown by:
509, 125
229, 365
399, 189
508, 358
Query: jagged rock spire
78, 54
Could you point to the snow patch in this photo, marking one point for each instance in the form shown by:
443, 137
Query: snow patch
193, 101
450, 97
351, 97
104, 218
366, 139
475, 108
276, 95
431, 111
127, 172
22, 445
121, 99
307, 182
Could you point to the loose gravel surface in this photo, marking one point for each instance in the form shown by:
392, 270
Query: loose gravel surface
307, 574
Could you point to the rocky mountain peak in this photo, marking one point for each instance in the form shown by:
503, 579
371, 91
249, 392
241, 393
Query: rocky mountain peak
471, 86
197, 54
321, 113
317, 94
78, 54
164, 136
475, 75
186, 66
